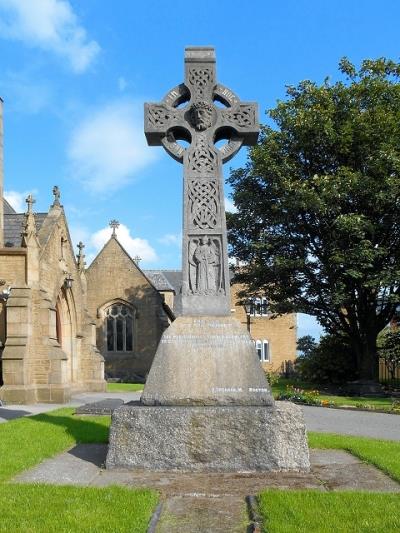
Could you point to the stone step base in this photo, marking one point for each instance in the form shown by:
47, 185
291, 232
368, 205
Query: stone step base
209, 439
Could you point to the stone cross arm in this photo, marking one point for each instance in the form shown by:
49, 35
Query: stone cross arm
190, 112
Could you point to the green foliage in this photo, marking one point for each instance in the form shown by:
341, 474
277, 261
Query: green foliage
330, 361
294, 394
318, 205
272, 377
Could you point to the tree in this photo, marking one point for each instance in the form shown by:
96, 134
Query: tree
389, 349
306, 345
318, 221
329, 361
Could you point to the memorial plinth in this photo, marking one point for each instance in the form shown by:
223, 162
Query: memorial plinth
206, 404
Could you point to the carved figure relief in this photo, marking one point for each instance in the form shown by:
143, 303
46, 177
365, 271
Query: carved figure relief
201, 115
159, 116
205, 266
244, 117
199, 78
203, 203
202, 159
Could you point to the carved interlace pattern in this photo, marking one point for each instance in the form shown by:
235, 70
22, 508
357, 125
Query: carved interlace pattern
160, 116
200, 78
244, 117
203, 203
202, 160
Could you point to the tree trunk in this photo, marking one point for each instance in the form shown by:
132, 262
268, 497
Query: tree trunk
367, 358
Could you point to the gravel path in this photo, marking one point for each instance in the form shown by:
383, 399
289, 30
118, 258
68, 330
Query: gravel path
359, 423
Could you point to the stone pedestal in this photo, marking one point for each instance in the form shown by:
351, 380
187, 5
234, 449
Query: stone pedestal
206, 360
209, 439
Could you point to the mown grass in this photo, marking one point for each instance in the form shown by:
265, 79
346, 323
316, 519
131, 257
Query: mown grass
24, 442
49, 508
43, 508
339, 512
124, 387
384, 454
335, 512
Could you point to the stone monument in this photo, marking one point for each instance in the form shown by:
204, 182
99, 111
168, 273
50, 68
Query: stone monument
206, 404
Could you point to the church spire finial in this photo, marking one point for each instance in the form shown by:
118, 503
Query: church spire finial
29, 226
81, 256
114, 224
56, 194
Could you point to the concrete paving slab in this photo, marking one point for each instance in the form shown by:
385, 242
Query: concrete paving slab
203, 515
78, 466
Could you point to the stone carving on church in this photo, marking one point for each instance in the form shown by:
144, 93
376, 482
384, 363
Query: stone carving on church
200, 78
203, 203
202, 159
205, 266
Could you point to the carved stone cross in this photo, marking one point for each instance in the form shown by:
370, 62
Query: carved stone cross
114, 225
30, 201
190, 113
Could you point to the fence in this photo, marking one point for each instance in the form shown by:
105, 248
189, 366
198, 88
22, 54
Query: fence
389, 374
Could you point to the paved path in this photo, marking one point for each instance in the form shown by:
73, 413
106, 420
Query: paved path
359, 423
363, 423
205, 502
9, 412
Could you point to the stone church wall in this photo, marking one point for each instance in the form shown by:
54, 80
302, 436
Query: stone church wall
114, 278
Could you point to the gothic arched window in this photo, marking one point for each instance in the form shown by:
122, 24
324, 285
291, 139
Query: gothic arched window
119, 328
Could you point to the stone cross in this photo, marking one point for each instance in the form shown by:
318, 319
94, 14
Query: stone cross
189, 113
81, 256
30, 201
137, 259
114, 224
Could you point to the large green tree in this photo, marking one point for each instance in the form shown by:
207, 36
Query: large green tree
318, 221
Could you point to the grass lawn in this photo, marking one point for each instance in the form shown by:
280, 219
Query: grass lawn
332, 512
43, 508
339, 512
352, 401
124, 387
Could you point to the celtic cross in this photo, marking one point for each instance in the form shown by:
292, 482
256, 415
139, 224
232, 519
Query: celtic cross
114, 225
190, 113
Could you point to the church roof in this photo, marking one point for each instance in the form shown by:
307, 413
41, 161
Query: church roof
159, 281
8, 209
13, 226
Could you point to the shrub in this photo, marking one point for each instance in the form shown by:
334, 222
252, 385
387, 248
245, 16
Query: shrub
330, 361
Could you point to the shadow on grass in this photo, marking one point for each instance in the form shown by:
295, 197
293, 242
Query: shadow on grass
12, 414
82, 430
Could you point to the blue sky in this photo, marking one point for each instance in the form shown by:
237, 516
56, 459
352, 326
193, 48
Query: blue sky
74, 76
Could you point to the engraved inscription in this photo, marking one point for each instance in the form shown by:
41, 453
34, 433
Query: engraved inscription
205, 266
202, 340
203, 203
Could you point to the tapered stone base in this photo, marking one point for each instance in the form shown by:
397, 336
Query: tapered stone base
209, 439
206, 360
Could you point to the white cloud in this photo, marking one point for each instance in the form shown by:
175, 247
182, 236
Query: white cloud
50, 25
230, 206
133, 245
108, 147
171, 239
17, 199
